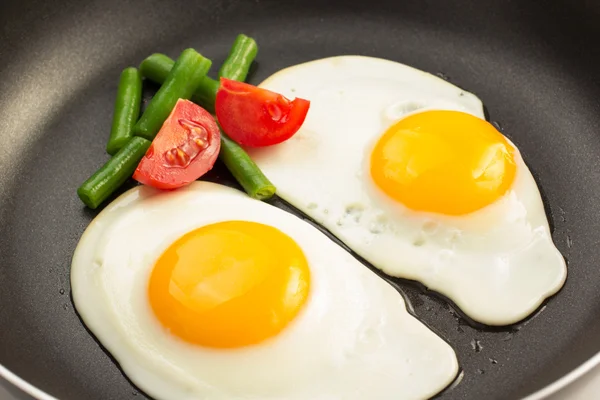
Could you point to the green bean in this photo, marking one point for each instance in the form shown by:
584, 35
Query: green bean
127, 109
114, 173
237, 161
241, 55
156, 68
181, 83
244, 170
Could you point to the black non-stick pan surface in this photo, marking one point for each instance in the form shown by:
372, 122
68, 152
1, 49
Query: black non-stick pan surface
535, 64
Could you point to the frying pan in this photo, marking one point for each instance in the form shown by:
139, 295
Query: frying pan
533, 63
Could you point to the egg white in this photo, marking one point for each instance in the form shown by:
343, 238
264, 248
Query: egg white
497, 264
353, 339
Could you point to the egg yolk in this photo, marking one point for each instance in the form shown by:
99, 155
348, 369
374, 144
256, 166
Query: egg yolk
445, 162
229, 284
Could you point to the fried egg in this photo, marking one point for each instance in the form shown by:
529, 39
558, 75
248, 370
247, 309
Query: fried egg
204, 293
402, 167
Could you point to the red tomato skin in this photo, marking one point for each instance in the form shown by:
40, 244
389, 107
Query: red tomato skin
257, 117
187, 125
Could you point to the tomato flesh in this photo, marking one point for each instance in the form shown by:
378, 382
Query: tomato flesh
185, 148
257, 117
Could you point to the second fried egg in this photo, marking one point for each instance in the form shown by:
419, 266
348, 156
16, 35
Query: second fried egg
402, 167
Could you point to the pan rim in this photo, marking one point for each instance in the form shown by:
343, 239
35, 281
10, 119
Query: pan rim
541, 394
23, 385
567, 379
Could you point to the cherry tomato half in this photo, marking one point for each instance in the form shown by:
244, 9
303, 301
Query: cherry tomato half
257, 117
185, 148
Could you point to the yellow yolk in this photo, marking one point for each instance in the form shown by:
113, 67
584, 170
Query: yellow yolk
445, 162
229, 284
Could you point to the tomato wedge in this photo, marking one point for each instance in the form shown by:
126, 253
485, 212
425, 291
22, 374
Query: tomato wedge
257, 117
185, 148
